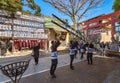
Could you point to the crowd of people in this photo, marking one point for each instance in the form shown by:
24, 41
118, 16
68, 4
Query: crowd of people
82, 48
75, 47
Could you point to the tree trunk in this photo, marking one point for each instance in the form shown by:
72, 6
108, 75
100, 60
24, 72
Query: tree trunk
74, 22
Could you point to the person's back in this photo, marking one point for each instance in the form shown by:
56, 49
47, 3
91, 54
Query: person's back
90, 48
54, 55
57, 44
54, 46
91, 45
72, 48
90, 53
83, 46
119, 47
36, 50
72, 54
36, 53
76, 44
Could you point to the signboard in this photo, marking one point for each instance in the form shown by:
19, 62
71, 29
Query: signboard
32, 27
99, 31
30, 17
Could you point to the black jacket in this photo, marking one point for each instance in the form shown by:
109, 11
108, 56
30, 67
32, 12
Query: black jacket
36, 50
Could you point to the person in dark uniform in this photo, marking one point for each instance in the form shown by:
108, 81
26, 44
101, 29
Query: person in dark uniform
72, 54
76, 48
82, 50
90, 53
54, 55
36, 53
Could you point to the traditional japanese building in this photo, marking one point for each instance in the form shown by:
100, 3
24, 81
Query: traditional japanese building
55, 32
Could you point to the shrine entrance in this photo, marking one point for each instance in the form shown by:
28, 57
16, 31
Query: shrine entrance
103, 28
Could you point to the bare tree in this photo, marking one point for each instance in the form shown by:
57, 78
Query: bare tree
75, 9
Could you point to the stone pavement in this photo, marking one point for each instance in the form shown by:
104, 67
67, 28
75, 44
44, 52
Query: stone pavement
10, 57
104, 70
44, 64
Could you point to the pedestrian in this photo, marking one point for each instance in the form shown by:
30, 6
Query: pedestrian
90, 53
76, 48
82, 50
54, 59
119, 48
79, 43
72, 54
102, 45
36, 53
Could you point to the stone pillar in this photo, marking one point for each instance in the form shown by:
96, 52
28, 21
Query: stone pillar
67, 38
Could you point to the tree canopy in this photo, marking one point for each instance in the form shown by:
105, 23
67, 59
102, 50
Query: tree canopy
12, 6
75, 9
116, 5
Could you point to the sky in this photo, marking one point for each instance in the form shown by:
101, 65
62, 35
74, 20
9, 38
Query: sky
48, 10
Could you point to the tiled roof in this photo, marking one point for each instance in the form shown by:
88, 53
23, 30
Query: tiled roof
49, 24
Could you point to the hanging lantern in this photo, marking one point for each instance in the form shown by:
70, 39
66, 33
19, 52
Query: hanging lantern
108, 27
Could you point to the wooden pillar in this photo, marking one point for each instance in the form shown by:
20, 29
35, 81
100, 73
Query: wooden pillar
113, 27
87, 32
